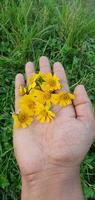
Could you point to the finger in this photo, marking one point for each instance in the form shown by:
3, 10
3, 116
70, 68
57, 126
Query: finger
19, 81
60, 72
82, 103
44, 64
29, 70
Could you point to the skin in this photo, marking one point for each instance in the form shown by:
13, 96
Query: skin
49, 154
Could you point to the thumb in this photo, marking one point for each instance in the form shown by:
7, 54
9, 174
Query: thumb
82, 104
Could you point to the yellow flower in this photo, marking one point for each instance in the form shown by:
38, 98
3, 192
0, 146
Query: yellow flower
36, 80
47, 98
26, 103
43, 113
40, 76
35, 92
51, 83
64, 98
31, 86
36, 95
40, 96
22, 90
32, 80
54, 99
23, 119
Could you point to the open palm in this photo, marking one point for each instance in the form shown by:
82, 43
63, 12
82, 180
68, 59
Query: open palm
63, 142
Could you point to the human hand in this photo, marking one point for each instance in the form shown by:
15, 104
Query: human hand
60, 145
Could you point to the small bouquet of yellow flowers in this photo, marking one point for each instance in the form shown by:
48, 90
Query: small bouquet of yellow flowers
36, 100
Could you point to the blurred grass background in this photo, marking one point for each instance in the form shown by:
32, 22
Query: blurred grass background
63, 30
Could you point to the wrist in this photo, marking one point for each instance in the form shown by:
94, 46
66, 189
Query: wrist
52, 184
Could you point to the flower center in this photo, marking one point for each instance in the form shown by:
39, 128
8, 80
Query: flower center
64, 96
31, 104
22, 118
52, 83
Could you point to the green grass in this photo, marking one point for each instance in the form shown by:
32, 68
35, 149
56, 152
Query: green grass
62, 30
